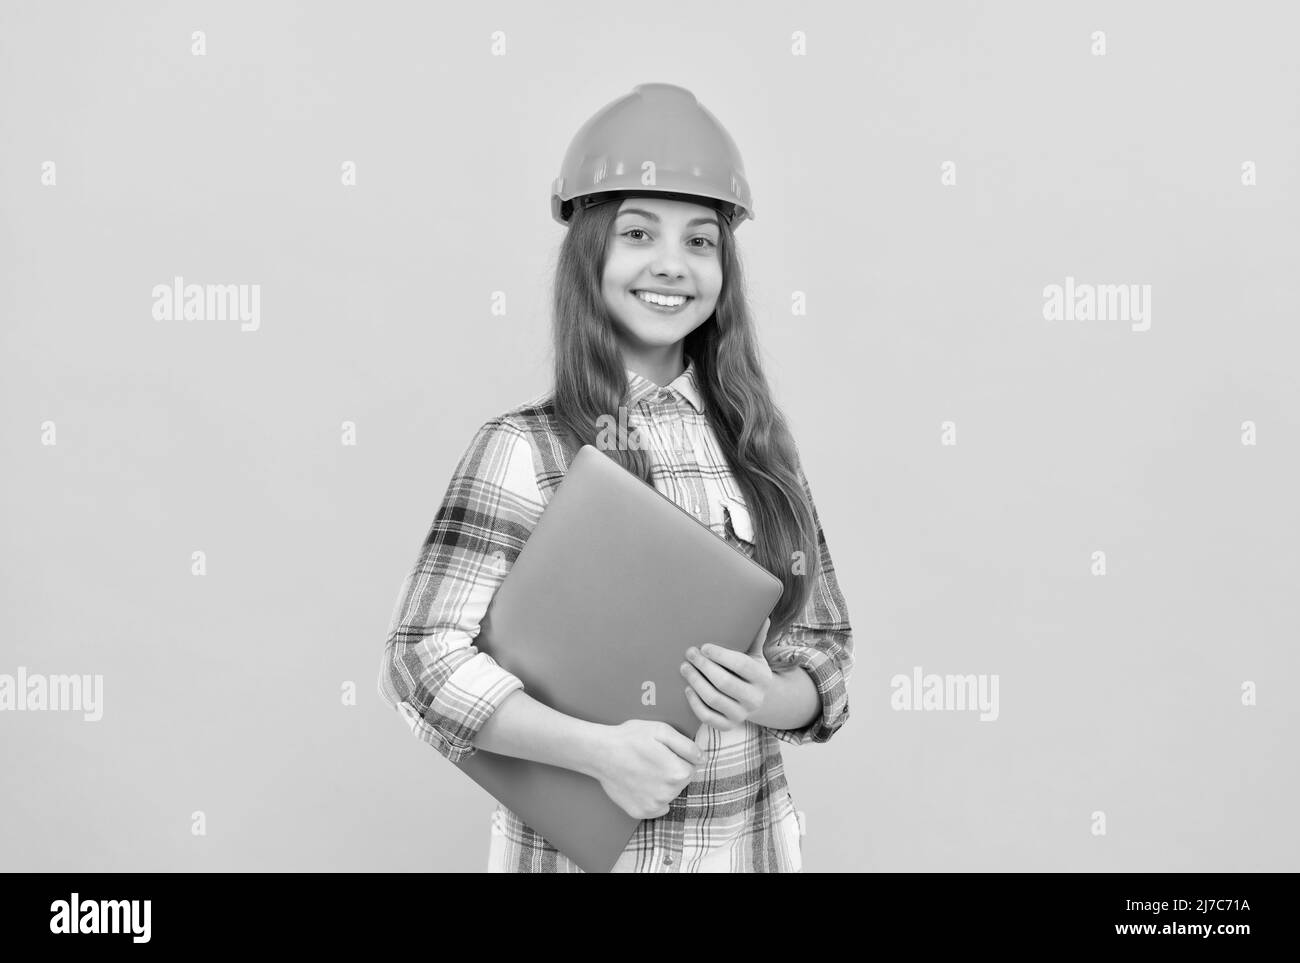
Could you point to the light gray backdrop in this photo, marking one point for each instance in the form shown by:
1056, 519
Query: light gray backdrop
1125, 737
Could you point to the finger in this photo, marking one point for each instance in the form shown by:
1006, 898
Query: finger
705, 714
702, 736
711, 697
761, 638
742, 664
725, 681
684, 747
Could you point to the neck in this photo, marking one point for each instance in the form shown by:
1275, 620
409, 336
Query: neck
659, 365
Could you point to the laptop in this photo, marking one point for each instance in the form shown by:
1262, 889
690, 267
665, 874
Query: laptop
612, 586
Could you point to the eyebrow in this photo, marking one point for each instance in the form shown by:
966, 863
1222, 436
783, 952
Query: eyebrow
655, 217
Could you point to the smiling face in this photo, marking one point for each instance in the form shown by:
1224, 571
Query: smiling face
669, 249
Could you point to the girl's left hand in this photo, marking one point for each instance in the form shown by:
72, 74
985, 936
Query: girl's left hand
727, 687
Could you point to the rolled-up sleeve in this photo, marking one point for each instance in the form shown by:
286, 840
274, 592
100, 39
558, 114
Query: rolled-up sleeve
432, 673
819, 641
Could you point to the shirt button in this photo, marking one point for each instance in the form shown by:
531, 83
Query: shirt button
668, 860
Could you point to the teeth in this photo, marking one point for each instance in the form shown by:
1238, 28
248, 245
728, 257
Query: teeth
668, 301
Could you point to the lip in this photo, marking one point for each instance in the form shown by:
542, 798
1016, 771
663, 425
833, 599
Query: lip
660, 309
669, 294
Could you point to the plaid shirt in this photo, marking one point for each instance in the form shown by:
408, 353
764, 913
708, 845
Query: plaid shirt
737, 815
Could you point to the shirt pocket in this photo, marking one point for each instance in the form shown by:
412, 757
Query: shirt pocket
737, 524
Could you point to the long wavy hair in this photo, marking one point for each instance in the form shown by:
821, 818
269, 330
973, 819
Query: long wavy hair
591, 382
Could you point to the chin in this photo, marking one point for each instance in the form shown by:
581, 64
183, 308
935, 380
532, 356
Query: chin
668, 332
659, 339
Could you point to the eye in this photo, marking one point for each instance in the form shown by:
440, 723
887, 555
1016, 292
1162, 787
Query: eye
708, 243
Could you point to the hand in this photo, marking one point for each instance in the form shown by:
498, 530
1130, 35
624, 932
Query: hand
727, 687
643, 766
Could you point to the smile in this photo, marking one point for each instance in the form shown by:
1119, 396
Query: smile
664, 303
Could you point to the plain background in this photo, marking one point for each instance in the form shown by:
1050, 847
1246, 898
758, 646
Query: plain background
1118, 693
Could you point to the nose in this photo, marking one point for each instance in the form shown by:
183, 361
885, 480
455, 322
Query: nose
668, 262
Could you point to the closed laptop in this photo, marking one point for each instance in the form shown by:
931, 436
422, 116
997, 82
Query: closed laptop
615, 582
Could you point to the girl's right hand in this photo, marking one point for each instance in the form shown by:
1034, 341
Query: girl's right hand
645, 766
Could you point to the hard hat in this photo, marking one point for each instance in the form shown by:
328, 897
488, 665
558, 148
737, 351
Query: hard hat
662, 125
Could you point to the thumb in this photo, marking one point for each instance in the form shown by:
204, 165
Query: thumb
756, 647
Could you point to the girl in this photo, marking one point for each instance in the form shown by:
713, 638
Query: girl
651, 322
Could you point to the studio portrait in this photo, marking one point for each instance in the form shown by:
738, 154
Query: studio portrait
685, 439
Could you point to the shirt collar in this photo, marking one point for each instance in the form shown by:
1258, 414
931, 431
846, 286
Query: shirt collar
684, 385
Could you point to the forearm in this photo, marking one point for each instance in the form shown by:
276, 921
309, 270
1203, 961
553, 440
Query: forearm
525, 728
792, 703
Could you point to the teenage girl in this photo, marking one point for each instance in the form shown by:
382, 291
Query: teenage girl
650, 316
